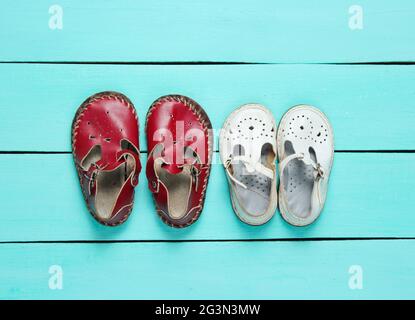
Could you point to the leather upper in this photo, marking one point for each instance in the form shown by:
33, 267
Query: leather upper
305, 152
247, 148
105, 141
179, 142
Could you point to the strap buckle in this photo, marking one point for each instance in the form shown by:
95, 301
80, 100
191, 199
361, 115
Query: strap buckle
319, 171
317, 166
227, 164
91, 175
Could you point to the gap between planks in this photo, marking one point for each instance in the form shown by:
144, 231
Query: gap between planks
208, 63
210, 240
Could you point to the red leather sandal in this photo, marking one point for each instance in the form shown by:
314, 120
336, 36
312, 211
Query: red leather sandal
180, 141
106, 151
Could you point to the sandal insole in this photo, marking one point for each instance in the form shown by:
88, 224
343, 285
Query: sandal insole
256, 198
298, 184
178, 186
109, 184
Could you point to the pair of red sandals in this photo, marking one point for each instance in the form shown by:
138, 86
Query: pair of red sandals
105, 146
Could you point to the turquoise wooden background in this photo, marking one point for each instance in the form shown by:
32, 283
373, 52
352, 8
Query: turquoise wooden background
222, 54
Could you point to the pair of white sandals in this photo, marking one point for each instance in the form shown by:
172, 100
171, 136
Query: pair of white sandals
249, 145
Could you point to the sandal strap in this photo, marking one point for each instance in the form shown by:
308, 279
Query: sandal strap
250, 167
308, 161
318, 176
254, 166
91, 174
195, 170
97, 167
230, 175
137, 164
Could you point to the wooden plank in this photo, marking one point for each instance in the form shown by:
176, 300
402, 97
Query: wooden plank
250, 270
370, 107
197, 30
370, 195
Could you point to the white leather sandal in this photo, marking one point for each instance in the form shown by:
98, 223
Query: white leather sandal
247, 146
305, 155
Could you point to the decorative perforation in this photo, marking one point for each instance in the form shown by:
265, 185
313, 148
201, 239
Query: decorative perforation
303, 128
251, 128
257, 183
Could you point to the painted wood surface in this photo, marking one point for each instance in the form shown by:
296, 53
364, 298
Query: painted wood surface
370, 196
370, 107
143, 45
253, 270
196, 30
